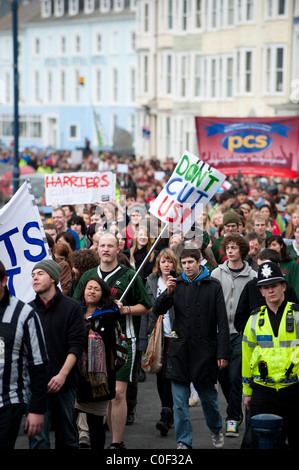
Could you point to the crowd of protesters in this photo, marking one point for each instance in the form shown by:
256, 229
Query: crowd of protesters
254, 213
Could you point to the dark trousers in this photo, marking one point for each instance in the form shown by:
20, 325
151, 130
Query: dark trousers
97, 433
163, 383
132, 390
10, 421
283, 403
230, 379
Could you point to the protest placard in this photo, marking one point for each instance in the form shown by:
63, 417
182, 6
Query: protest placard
79, 188
23, 241
189, 189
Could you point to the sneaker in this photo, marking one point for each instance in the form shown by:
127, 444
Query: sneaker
181, 446
231, 428
194, 400
217, 440
84, 442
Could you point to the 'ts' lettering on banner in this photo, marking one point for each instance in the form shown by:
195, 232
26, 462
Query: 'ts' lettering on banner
190, 188
79, 188
22, 242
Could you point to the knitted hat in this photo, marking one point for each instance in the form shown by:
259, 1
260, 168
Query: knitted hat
269, 273
51, 267
230, 217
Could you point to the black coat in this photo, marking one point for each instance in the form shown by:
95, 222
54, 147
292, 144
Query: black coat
64, 331
201, 327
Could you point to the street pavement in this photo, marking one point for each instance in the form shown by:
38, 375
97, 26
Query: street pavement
143, 433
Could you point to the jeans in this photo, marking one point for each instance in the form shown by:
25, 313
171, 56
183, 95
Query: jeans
61, 416
209, 400
230, 379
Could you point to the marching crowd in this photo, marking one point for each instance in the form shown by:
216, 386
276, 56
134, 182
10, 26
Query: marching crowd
227, 292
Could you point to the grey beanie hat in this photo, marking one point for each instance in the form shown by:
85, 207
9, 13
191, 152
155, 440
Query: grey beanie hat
51, 267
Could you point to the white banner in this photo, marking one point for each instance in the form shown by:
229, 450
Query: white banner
79, 188
22, 241
190, 187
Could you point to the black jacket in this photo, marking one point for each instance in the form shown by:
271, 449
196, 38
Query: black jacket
251, 298
64, 331
201, 327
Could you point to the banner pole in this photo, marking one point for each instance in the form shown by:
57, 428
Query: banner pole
143, 262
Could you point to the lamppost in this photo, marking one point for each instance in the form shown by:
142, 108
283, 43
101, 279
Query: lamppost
16, 170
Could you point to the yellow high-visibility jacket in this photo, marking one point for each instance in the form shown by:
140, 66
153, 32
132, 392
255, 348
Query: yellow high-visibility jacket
279, 353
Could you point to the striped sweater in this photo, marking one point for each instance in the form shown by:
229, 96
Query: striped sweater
23, 355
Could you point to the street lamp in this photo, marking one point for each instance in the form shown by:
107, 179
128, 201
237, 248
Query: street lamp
16, 170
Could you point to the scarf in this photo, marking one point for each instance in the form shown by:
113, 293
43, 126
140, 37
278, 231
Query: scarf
92, 365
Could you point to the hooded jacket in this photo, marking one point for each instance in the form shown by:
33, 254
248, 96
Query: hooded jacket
200, 325
232, 287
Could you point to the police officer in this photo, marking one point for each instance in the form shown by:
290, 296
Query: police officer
270, 354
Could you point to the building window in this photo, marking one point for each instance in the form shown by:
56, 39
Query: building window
77, 44
231, 12
46, 8
229, 77
98, 43
132, 85
73, 7
98, 85
114, 85
50, 86
275, 9
169, 14
168, 74
59, 7
145, 74
197, 76
30, 127
88, 6
185, 15
76, 87
244, 63
213, 78
132, 41
118, 5
7, 87
249, 13
36, 82
74, 132
214, 14
274, 69
198, 13
146, 18
63, 45
63, 86
248, 72
183, 76
114, 43
104, 6
36, 46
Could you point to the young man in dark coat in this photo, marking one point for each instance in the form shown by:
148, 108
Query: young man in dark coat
199, 346
64, 329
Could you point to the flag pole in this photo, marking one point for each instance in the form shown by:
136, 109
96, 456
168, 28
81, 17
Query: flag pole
143, 262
